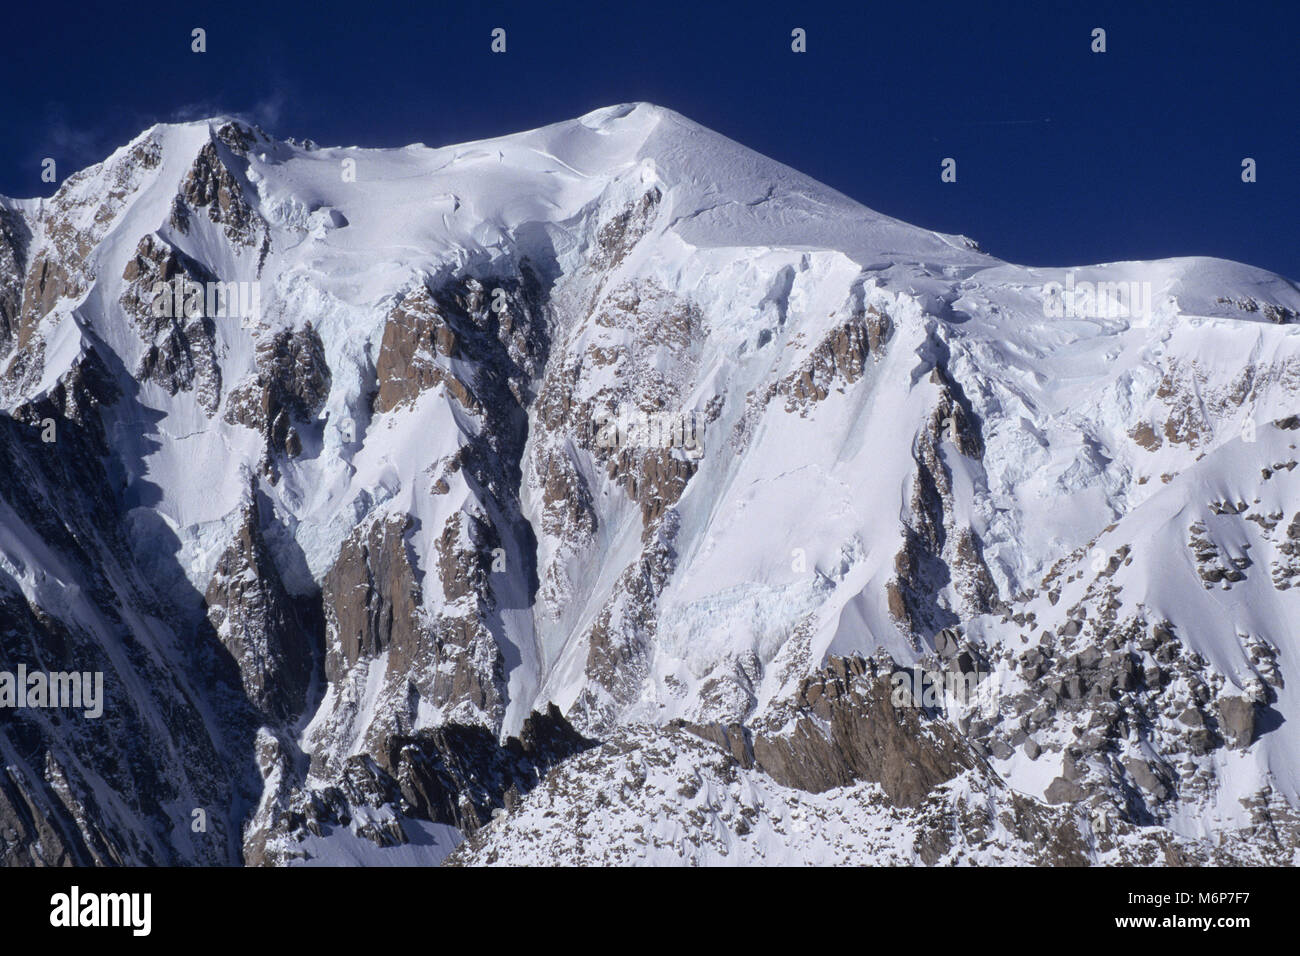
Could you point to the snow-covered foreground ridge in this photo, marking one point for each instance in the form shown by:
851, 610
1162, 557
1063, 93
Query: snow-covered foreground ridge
594, 493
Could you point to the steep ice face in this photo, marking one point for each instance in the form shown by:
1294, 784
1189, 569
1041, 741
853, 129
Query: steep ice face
621, 416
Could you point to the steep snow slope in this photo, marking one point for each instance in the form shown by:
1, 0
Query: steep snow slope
367, 526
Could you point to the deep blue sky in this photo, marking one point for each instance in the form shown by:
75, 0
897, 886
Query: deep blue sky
1064, 157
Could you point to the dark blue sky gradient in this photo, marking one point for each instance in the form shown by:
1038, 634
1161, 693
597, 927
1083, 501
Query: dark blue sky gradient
1064, 157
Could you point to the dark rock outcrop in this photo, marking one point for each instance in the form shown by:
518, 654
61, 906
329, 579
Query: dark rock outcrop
848, 727
289, 389
273, 637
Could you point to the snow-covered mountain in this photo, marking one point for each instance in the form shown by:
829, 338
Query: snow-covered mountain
591, 494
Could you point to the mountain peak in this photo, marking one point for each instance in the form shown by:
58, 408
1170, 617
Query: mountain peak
419, 486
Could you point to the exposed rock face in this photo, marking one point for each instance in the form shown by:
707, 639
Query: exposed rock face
1237, 717
454, 774
476, 676
936, 552
459, 775
619, 642
212, 186
181, 351
655, 479
621, 232
373, 618
840, 360
371, 597
271, 635
15, 237
416, 334
844, 726
1279, 314
292, 381
1061, 790
868, 738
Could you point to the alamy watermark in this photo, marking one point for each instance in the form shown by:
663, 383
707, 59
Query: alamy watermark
185, 298
633, 428
73, 909
1096, 300
945, 690
65, 690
